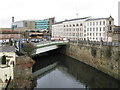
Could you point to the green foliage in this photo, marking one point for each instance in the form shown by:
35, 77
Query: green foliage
108, 52
93, 51
28, 48
3, 59
116, 57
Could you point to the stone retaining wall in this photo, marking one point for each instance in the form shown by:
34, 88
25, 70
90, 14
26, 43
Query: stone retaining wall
108, 65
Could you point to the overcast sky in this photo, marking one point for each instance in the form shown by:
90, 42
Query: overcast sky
60, 9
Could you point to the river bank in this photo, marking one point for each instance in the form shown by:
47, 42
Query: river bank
23, 77
103, 58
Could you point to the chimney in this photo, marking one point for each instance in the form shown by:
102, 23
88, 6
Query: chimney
12, 22
12, 19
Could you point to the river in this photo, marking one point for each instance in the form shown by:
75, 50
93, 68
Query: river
55, 70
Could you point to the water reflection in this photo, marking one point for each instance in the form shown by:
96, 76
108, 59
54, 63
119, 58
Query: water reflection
60, 71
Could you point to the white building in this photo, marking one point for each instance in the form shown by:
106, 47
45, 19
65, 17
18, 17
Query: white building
88, 28
7, 70
119, 13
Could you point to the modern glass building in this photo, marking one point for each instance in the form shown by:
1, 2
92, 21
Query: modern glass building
44, 24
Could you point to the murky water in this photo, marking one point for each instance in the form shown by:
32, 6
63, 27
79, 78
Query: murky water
60, 71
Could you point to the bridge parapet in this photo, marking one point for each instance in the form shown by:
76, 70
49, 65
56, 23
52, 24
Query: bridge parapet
39, 45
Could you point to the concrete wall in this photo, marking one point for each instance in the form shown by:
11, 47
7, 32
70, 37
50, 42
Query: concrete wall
7, 70
83, 53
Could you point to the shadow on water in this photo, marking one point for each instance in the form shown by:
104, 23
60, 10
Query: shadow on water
86, 75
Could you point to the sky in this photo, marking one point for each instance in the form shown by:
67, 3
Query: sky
60, 9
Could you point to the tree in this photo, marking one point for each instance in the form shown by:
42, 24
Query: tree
28, 48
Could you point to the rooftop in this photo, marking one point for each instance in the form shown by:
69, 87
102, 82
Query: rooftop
72, 20
94, 19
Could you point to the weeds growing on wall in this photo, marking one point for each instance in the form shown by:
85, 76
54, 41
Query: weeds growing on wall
93, 51
108, 52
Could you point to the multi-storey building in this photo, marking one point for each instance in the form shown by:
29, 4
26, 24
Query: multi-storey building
33, 25
88, 28
119, 13
24, 25
44, 24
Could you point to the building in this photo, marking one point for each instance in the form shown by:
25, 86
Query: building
88, 28
24, 25
119, 13
114, 36
34, 25
45, 24
7, 70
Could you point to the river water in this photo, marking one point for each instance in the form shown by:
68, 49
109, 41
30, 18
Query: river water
60, 71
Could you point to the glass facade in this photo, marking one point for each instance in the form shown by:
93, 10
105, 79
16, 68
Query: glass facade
42, 24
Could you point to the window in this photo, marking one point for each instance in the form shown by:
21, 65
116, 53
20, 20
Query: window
87, 29
90, 23
90, 34
96, 34
100, 34
93, 34
100, 28
100, 23
77, 24
90, 29
96, 28
103, 22
81, 24
87, 34
93, 29
110, 28
96, 23
93, 23
110, 22
103, 28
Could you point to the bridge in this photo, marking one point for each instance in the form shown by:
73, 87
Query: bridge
42, 47
48, 46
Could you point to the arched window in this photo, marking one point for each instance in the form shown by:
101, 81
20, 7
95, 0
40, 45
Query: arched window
73, 24
77, 24
81, 24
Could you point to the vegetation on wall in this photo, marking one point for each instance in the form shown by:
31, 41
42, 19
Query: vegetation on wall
93, 51
116, 57
108, 52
